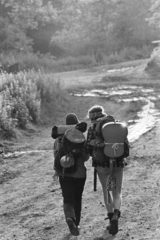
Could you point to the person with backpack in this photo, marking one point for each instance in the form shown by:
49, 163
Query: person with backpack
69, 167
96, 147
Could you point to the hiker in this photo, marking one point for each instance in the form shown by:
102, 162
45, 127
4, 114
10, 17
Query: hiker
72, 183
101, 163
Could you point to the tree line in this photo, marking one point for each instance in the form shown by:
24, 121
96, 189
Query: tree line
77, 27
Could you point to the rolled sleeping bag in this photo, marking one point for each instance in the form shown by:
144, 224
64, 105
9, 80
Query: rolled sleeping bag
82, 127
73, 139
63, 128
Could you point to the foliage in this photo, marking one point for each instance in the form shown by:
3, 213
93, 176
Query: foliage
103, 26
130, 15
46, 61
49, 64
23, 98
18, 18
84, 24
155, 9
153, 65
128, 54
7, 124
20, 102
76, 27
29, 14
26, 97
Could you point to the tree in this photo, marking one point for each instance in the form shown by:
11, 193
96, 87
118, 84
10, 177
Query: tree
131, 26
155, 9
86, 24
22, 16
12, 38
103, 25
76, 26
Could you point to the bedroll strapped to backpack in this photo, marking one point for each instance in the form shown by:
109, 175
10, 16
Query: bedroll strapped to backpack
60, 130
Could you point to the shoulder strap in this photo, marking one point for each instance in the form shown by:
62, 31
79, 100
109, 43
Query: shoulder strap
102, 121
57, 145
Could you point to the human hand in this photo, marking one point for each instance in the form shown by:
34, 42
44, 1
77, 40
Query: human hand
101, 144
55, 176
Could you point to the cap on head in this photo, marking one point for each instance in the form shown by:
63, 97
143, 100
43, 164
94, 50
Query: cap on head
71, 119
96, 112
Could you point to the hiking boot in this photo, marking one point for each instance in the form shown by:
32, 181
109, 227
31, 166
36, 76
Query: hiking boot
114, 222
72, 227
110, 215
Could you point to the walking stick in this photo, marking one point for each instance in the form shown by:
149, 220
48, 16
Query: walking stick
95, 180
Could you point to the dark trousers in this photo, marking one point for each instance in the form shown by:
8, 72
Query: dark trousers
72, 190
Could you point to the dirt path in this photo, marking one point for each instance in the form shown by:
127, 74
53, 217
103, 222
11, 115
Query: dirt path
31, 203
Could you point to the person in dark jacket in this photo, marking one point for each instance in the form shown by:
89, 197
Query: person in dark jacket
112, 199
72, 184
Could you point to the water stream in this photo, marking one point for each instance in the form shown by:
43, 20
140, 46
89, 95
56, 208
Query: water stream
147, 117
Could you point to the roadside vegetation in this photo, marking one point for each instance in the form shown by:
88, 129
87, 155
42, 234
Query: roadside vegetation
48, 63
22, 98
153, 65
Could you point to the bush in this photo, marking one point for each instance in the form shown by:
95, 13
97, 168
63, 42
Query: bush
153, 65
129, 54
47, 62
20, 102
24, 95
7, 123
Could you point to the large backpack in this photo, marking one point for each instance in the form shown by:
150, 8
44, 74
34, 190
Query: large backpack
114, 136
69, 144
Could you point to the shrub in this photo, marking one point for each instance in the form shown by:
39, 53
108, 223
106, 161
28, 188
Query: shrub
48, 62
7, 123
21, 100
153, 65
24, 96
129, 54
